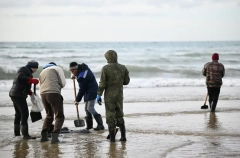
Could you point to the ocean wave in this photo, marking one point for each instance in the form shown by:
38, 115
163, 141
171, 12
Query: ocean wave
6, 57
46, 55
138, 72
69, 101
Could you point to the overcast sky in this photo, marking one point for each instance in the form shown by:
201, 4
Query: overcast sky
119, 20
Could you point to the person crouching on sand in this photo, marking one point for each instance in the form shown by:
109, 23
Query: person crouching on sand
88, 88
52, 80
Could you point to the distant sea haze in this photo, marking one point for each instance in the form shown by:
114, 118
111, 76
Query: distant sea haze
150, 64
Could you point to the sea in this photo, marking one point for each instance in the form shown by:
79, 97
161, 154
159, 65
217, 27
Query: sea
162, 102
150, 64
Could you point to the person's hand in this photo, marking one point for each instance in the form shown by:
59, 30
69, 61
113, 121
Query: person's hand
72, 76
30, 92
33, 81
99, 99
76, 103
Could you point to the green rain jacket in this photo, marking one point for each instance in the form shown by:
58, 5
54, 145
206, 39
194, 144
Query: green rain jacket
113, 77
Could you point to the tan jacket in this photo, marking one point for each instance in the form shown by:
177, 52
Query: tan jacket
52, 80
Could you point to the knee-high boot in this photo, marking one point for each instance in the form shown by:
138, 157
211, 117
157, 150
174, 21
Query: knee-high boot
112, 132
123, 133
17, 130
214, 105
89, 122
99, 121
24, 129
55, 139
44, 135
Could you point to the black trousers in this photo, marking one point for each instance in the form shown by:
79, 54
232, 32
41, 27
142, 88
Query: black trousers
213, 93
21, 110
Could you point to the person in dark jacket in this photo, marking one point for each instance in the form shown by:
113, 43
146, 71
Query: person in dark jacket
21, 88
113, 77
214, 72
88, 88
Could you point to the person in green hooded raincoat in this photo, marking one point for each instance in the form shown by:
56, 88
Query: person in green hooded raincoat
113, 77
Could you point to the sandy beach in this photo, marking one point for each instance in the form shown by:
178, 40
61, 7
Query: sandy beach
154, 129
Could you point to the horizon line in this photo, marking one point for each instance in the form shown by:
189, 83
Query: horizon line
116, 41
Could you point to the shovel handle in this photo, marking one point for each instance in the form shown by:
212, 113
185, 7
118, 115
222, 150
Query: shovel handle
34, 89
77, 112
75, 95
206, 99
74, 88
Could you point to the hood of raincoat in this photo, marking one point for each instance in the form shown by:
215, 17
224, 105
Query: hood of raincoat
111, 56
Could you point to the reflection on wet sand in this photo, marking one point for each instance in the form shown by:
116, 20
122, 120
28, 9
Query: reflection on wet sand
50, 150
21, 149
90, 148
112, 150
117, 150
213, 121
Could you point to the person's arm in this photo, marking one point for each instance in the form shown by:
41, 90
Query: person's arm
82, 79
102, 83
62, 80
204, 70
223, 72
126, 77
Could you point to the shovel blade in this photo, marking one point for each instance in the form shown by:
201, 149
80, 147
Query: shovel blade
204, 107
79, 123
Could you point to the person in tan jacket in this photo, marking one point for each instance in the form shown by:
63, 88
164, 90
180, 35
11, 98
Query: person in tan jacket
52, 80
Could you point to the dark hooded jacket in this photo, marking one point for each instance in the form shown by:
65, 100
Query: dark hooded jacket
20, 87
87, 83
113, 77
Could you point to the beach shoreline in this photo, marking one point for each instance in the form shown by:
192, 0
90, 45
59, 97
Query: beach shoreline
159, 129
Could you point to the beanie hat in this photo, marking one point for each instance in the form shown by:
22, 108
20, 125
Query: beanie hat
215, 56
53, 63
49, 64
73, 66
32, 64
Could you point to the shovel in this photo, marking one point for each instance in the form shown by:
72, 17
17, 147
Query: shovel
204, 105
78, 122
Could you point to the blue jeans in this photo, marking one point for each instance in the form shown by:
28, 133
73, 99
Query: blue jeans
89, 108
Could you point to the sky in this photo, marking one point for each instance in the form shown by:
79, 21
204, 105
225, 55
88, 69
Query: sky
119, 20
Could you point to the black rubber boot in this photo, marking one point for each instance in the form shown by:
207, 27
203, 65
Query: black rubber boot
24, 129
99, 121
112, 132
89, 122
214, 104
55, 139
44, 136
123, 133
50, 130
17, 130
116, 130
210, 104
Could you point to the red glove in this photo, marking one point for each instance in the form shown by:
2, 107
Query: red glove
30, 92
33, 81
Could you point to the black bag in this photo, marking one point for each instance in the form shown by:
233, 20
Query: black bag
35, 116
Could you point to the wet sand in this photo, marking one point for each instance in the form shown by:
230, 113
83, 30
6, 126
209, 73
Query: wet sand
156, 129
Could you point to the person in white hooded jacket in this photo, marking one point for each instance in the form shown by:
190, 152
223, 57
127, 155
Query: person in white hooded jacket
52, 80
